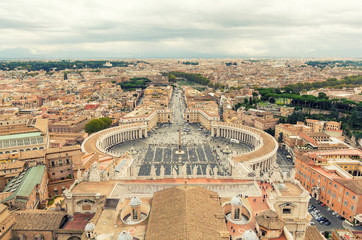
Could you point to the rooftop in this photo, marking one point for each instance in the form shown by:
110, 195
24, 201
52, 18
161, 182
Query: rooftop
104, 188
289, 189
312, 233
38, 220
181, 213
269, 220
353, 185
25, 183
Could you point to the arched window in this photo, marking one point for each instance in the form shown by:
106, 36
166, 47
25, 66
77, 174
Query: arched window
134, 214
237, 214
39, 237
21, 237
73, 238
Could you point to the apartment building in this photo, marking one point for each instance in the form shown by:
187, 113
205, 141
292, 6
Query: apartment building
330, 184
69, 125
59, 162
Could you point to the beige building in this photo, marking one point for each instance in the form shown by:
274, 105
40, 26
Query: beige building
59, 162
149, 116
290, 201
259, 119
69, 126
24, 137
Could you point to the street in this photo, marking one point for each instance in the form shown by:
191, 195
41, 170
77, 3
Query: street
336, 223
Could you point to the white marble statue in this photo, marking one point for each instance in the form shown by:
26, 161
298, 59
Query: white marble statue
208, 169
194, 171
184, 170
85, 176
215, 172
79, 175
153, 172
162, 171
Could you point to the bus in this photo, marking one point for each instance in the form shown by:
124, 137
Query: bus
234, 141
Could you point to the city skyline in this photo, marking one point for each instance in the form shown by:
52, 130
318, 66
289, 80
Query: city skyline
160, 29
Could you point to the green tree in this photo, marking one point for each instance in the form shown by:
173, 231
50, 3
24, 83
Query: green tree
322, 95
171, 77
107, 121
355, 120
94, 125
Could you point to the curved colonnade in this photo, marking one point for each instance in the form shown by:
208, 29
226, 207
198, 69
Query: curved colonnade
264, 146
262, 156
101, 141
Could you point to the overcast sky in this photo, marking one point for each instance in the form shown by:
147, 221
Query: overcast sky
180, 29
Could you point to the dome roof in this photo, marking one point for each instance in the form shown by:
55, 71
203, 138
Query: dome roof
249, 235
135, 201
89, 227
124, 236
269, 220
236, 201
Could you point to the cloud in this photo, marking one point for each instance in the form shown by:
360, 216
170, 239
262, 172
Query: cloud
163, 28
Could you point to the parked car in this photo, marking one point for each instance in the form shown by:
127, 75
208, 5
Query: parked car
323, 205
327, 223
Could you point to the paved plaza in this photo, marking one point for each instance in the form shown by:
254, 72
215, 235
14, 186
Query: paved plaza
203, 155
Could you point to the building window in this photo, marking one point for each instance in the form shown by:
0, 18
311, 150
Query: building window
134, 214
237, 214
345, 203
334, 195
354, 197
339, 199
287, 211
352, 207
347, 193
